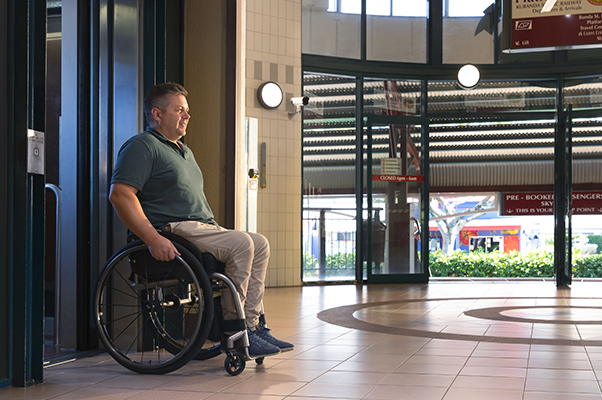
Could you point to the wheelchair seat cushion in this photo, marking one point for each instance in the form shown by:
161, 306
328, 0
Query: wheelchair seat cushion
208, 260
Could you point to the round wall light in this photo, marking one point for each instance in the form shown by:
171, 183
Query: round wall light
269, 95
469, 76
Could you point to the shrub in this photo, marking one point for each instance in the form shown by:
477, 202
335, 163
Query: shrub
474, 264
509, 265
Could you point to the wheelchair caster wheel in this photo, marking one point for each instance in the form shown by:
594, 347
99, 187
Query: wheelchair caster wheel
234, 363
259, 360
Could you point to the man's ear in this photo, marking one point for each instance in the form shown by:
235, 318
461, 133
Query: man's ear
156, 113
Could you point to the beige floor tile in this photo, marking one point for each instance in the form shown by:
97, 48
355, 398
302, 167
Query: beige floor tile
334, 390
574, 374
497, 362
489, 382
482, 394
494, 371
351, 377
429, 380
406, 393
560, 396
264, 387
563, 386
437, 369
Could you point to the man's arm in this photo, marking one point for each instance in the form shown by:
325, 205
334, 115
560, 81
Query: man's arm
128, 208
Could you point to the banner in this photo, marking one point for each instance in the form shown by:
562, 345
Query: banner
569, 24
543, 203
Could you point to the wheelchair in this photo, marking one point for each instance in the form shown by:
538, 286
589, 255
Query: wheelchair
154, 317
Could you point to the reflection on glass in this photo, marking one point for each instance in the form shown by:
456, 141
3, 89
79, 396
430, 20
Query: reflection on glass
329, 206
583, 94
492, 97
396, 191
392, 97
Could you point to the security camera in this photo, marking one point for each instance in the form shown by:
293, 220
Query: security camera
298, 103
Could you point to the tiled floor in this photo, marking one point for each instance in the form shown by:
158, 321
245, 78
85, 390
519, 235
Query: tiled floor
445, 340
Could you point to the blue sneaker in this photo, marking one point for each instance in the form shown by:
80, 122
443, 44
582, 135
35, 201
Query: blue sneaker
264, 333
259, 347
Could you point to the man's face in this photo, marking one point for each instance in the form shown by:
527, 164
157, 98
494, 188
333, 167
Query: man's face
172, 121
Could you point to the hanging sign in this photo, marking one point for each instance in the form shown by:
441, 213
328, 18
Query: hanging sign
570, 24
390, 166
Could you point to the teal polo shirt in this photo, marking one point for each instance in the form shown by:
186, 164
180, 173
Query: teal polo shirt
168, 178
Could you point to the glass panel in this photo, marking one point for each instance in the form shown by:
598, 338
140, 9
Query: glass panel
584, 54
392, 97
410, 8
489, 138
446, 97
396, 191
583, 94
395, 37
329, 33
329, 206
468, 32
467, 8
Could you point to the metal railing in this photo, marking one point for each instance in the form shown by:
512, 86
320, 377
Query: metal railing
57, 267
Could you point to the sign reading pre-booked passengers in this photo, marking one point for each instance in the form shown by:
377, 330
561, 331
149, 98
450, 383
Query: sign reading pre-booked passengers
543, 203
570, 24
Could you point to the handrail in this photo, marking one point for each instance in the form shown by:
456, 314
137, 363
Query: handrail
57, 267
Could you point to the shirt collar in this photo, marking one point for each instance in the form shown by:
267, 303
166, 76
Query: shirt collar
159, 136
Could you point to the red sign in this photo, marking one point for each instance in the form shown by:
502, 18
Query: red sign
398, 178
543, 203
569, 23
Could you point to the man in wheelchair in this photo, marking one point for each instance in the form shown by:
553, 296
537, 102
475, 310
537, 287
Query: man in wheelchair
157, 184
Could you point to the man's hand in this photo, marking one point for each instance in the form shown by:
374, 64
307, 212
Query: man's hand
162, 249
128, 208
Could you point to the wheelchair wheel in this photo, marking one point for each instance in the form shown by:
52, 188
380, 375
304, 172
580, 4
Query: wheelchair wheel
234, 363
209, 350
152, 316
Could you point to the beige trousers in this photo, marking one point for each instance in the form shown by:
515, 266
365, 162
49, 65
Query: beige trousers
246, 256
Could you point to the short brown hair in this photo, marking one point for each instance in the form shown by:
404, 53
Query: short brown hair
156, 97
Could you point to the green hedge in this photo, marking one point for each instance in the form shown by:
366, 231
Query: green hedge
509, 265
474, 264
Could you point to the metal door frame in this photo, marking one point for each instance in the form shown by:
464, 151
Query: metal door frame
422, 277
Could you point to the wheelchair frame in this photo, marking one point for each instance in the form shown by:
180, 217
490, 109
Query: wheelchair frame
154, 317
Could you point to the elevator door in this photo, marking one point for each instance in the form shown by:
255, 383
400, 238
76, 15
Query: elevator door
395, 189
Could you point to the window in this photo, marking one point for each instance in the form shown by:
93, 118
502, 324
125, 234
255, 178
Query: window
467, 8
410, 8
396, 8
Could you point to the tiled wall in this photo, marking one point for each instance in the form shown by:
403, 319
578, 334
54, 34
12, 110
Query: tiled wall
273, 53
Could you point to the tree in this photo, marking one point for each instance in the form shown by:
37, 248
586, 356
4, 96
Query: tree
450, 222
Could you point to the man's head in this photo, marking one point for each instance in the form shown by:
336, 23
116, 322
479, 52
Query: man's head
166, 109
158, 97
